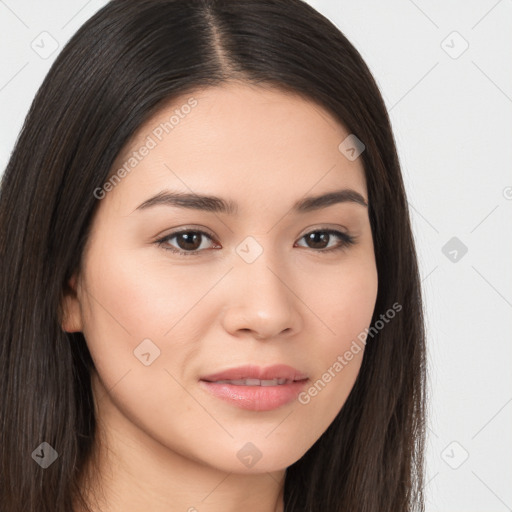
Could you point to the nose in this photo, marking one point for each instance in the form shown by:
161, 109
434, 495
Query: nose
262, 301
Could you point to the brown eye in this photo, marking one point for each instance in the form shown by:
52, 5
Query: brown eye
320, 239
188, 241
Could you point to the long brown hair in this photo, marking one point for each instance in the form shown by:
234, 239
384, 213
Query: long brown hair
120, 67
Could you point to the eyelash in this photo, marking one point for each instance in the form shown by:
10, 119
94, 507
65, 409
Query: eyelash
346, 241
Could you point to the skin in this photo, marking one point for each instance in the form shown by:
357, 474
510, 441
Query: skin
164, 442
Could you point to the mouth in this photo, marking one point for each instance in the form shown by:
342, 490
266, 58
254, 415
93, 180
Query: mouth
254, 388
255, 382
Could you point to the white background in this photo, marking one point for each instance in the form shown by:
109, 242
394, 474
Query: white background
452, 120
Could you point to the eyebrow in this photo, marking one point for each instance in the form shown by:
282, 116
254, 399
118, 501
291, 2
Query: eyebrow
216, 204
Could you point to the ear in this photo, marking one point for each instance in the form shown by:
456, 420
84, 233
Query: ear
72, 314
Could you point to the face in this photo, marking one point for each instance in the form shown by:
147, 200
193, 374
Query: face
264, 283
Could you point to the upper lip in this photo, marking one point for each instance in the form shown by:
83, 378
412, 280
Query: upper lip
277, 371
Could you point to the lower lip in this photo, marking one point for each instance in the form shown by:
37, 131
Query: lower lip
256, 398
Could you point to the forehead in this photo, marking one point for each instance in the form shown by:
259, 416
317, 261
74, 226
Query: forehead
238, 140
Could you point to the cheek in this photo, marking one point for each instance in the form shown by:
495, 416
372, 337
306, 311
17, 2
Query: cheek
346, 310
124, 307
343, 300
141, 297
353, 302
145, 305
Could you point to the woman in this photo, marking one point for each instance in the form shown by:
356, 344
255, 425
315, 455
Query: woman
210, 296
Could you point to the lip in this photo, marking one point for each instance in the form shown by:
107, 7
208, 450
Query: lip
277, 371
256, 398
